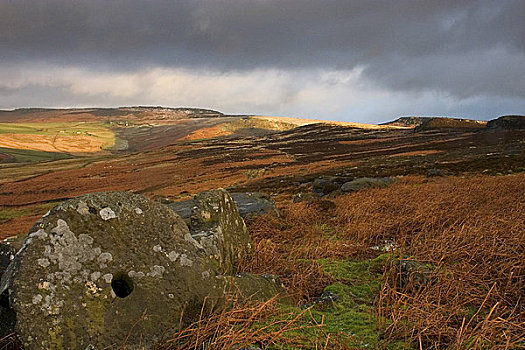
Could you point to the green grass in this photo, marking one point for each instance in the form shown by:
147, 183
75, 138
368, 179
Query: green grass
351, 319
30, 156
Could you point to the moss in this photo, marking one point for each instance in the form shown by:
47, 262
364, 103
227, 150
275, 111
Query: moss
362, 277
95, 310
350, 319
55, 338
72, 335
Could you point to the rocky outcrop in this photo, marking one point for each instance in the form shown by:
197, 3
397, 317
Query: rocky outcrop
324, 185
410, 121
366, 182
219, 229
111, 267
435, 172
507, 122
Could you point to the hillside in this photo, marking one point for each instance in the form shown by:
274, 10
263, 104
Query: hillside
436, 123
70, 132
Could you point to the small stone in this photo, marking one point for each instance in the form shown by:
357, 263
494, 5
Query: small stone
107, 214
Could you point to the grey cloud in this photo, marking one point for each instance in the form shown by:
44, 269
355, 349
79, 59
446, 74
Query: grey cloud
462, 48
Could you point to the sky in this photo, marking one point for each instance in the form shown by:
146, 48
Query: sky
348, 60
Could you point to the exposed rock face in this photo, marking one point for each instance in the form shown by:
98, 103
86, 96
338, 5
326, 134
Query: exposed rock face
507, 122
105, 265
183, 209
220, 230
366, 182
435, 172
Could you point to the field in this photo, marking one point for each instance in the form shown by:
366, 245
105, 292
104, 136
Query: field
71, 138
429, 262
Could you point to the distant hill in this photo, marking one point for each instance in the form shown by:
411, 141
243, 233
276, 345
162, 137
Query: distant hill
436, 123
136, 114
507, 122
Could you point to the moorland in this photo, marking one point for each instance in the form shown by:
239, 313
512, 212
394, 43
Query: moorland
453, 220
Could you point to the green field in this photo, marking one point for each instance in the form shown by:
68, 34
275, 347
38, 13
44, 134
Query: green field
30, 156
64, 135
71, 128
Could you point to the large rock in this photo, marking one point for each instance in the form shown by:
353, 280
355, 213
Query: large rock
366, 182
324, 185
248, 204
217, 226
109, 266
254, 203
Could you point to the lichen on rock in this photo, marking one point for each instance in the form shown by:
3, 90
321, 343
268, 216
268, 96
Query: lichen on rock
98, 266
217, 226
88, 273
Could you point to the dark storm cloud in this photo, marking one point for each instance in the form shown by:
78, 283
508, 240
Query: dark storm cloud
462, 48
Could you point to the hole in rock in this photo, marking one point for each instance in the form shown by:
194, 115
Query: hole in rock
92, 210
122, 285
